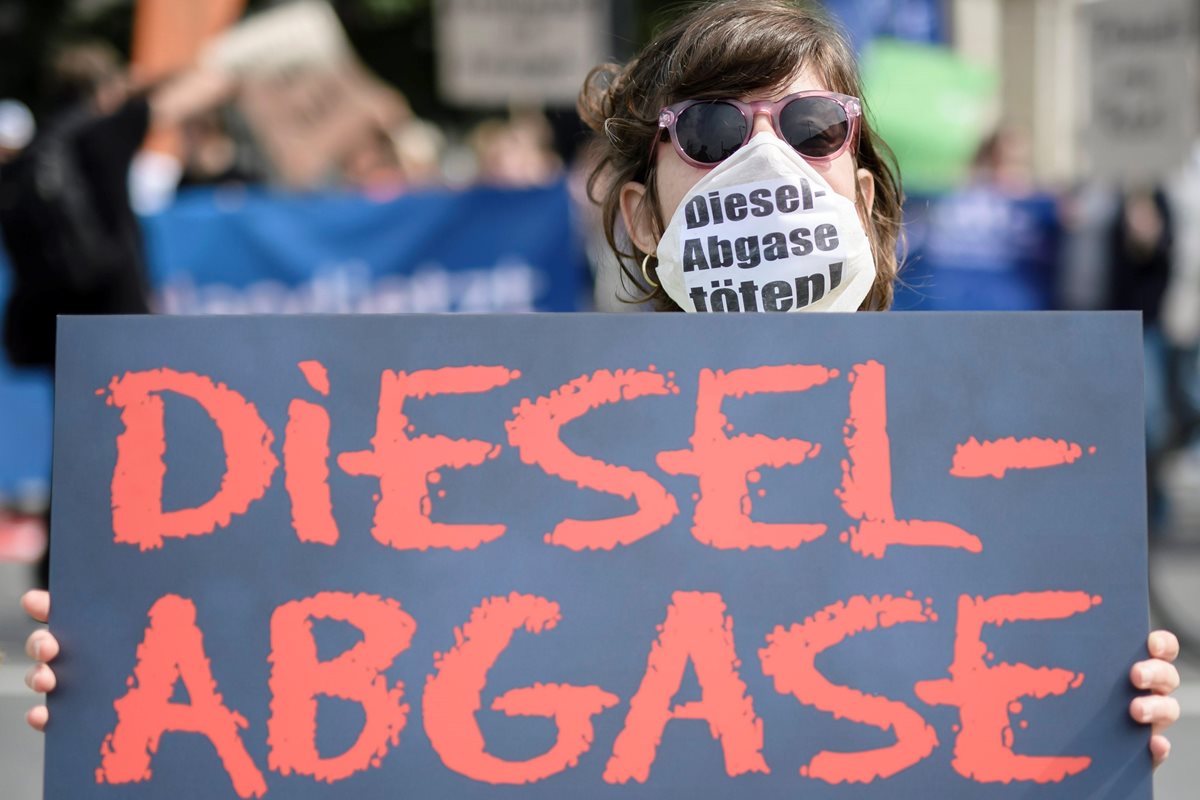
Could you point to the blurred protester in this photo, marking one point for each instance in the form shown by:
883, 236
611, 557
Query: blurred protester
991, 245
65, 211
16, 129
388, 161
212, 157
611, 289
420, 145
1137, 249
516, 153
373, 166
1140, 244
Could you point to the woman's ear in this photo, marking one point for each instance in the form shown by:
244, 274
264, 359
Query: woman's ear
639, 220
866, 193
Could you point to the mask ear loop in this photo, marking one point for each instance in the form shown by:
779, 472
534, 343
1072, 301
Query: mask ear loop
645, 273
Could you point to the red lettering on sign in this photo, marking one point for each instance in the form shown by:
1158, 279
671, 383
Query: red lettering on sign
306, 472
696, 628
173, 650
866, 491
535, 430
137, 483
790, 658
983, 749
298, 679
975, 459
316, 375
725, 464
406, 466
453, 697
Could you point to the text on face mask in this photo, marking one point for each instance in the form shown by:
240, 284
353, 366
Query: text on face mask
713, 209
750, 296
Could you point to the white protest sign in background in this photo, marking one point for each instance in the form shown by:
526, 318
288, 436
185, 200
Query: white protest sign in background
536, 52
305, 33
303, 91
1143, 87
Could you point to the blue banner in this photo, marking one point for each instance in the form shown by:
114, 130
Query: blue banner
254, 251
237, 250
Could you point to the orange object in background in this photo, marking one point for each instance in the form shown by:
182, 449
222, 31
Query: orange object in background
167, 36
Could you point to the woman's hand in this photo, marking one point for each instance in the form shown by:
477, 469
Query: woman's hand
42, 647
1159, 677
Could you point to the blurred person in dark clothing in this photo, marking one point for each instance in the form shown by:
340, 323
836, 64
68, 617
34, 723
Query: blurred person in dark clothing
1140, 244
70, 233
1140, 247
989, 245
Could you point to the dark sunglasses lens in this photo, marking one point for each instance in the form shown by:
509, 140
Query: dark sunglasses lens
815, 126
710, 132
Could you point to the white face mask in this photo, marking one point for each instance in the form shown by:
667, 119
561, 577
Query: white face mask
763, 231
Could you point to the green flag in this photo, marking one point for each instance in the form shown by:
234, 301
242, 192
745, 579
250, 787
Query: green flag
930, 106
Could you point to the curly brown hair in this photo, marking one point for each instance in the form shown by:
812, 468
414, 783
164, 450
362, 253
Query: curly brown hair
729, 48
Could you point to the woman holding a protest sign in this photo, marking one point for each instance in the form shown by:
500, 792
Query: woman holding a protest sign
737, 137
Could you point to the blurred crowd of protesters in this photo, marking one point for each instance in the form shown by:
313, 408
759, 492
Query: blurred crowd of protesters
73, 182
67, 207
68, 224
999, 242
70, 185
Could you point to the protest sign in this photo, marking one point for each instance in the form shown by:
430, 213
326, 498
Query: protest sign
1142, 72
310, 121
299, 34
492, 53
303, 91
628, 556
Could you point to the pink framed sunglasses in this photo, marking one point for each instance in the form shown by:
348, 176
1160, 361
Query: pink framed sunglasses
820, 126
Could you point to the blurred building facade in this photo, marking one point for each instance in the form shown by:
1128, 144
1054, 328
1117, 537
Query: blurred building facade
1041, 51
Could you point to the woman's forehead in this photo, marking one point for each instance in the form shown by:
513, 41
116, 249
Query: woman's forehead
805, 80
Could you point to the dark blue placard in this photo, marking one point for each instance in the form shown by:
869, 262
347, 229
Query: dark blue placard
1071, 528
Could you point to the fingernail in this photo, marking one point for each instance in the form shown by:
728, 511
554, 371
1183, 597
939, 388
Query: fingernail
1147, 712
29, 676
1156, 646
37, 649
1143, 677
